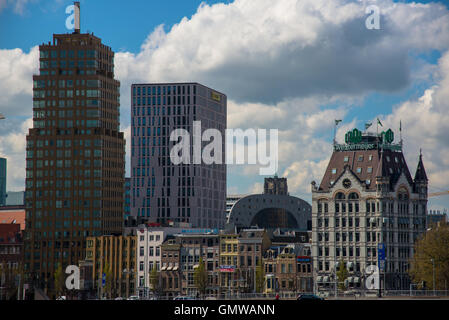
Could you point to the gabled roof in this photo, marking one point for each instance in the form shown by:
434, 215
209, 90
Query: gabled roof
366, 165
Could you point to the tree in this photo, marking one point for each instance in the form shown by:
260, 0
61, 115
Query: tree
342, 274
200, 277
59, 280
154, 279
7, 281
260, 276
108, 285
434, 244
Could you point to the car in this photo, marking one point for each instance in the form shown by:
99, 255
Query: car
309, 297
119, 298
61, 298
133, 298
184, 298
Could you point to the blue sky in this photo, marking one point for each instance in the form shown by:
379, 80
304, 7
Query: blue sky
126, 25
122, 26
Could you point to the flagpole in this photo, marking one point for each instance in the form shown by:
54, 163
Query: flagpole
377, 133
335, 132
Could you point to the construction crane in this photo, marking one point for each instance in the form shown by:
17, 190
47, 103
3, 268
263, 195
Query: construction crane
436, 194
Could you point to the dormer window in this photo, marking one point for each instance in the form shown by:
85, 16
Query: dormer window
360, 158
369, 169
359, 170
334, 171
346, 159
370, 158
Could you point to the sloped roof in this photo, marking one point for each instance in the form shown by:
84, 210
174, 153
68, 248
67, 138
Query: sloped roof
420, 174
13, 217
366, 165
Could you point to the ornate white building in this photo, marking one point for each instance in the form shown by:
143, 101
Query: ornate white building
367, 198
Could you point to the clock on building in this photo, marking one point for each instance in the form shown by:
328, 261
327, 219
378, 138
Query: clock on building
347, 183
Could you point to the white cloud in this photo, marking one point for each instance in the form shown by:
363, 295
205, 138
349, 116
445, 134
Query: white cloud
16, 80
282, 63
18, 5
425, 124
267, 51
12, 147
256, 188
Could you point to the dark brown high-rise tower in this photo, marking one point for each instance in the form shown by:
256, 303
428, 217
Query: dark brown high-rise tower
75, 155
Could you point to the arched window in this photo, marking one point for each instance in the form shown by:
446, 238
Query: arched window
353, 196
340, 205
340, 196
353, 205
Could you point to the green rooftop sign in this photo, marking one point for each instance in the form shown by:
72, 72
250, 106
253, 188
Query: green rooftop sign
354, 136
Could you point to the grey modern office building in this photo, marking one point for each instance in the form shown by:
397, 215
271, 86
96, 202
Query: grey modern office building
2, 182
162, 191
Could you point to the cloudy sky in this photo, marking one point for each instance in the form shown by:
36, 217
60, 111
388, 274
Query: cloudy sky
292, 65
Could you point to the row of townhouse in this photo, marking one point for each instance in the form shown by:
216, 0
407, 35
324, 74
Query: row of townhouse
163, 261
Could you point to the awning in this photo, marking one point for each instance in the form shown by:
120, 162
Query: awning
169, 268
175, 268
163, 268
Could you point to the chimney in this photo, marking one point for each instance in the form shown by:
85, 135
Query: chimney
77, 17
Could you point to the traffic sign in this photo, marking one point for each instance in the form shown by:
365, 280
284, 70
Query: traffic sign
381, 256
103, 280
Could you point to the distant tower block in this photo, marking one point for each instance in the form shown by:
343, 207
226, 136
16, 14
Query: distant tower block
276, 185
77, 17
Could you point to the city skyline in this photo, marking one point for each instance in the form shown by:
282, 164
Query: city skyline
414, 95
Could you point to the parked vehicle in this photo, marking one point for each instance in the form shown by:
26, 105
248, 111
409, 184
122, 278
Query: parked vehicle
309, 297
184, 298
133, 298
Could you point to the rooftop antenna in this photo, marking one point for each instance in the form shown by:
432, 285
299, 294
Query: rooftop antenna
77, 16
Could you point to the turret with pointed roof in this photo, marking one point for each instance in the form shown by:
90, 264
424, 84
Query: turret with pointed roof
420, 174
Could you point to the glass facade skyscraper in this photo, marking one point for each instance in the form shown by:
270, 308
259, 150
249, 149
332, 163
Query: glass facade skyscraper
75, 155
160, 190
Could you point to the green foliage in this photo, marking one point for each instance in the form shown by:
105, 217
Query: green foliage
154, 279
200, 277
59, 280
342, 274
108, 285
260, 277
434, 244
